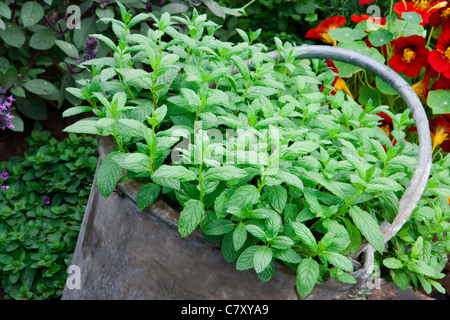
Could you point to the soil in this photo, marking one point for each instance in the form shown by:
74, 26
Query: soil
14, 144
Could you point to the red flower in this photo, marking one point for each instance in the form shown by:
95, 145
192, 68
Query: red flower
442, 84
363, 17
423, 7
321, 31
441, 15
410, 55
365, 1
440, 57
439, 131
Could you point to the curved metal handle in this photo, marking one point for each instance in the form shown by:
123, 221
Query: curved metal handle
421, 173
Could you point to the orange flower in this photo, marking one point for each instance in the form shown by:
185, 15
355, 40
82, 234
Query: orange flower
321, 31
338, 83
440, 132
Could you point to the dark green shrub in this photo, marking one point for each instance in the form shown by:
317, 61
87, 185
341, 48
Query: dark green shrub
41, 213
43, 42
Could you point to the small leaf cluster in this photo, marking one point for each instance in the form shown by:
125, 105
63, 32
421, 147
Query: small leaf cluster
37, 239
265, 158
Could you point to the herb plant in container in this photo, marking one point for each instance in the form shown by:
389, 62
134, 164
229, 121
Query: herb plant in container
286, 175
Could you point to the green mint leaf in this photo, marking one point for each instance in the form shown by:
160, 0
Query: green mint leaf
75, 110
305, 235
108, 174
243, 196
401, 279
277, 197
393, 263
239, 236
289, 179
337, 260
136, 162
368, 226
218, 227
262, 258
419, 266
147, 195
417, 248
174, 172
242, 67
190, 217
383, 184
341, 276
288, 255
246, 258
256, 231
87, 126
224, 173
307, 275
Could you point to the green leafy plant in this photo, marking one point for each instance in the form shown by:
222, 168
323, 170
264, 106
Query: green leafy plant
42, 43
268, 159
39, 226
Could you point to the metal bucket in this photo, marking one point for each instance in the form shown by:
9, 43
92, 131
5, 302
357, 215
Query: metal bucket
123, 253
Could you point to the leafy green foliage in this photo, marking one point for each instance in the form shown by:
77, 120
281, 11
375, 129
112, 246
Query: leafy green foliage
37, 240
43, 42
264, 158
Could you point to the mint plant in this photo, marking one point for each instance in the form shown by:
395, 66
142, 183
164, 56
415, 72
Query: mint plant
266, 158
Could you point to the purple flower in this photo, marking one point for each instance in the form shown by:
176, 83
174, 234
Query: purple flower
5, 103
4, 187
4, 175
46, 200
90, 48
5, 121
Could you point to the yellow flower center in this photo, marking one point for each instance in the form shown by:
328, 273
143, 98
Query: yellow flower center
408, 55
438, 137
447, 53
386, 128
446, 13
327, 39
422, 4
419, 87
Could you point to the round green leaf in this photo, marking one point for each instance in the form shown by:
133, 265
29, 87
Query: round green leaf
31, 13
32, 107
347, 34
43, 39
439, 101
40, 87
13, 35
5, 11
380, 37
